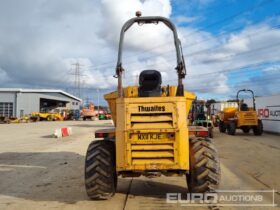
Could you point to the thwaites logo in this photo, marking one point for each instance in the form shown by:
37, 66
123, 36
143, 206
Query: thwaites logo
155, 108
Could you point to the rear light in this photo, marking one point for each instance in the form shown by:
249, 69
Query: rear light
101, 135
202, 133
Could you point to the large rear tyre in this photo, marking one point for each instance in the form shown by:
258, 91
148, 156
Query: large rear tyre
205, 172
100, 170
231, 128
258, 130
222, 127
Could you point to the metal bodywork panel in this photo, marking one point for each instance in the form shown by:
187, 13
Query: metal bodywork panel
242, 118
154, 137
151, 132
246, 118
132, 92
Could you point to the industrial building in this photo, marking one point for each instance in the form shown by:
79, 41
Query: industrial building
18, 102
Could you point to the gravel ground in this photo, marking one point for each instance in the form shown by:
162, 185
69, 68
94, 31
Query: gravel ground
41, 172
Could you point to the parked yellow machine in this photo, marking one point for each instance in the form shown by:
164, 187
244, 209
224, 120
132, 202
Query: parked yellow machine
151, 135
243, 117
36, 116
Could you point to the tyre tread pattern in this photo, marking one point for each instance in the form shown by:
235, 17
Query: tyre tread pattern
258, 130
231, 128
100, 170
205, 166
222, 127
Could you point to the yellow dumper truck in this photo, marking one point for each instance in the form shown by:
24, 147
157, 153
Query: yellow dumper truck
151, 137
243, 117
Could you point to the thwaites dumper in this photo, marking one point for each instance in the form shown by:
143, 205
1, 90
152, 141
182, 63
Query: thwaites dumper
243, 117
151, 135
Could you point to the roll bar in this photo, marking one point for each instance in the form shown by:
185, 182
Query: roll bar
246, 90
181, 69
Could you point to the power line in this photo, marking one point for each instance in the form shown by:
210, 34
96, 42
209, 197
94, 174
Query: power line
212, 10
200, 76
229, 70
212, 48
232, 69
240, 54
248, 51
227, 56
208, 49
257, 82
251, 8
221, 71
254, 82
242, 84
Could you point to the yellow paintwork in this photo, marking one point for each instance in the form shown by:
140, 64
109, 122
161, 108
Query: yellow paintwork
228, 112
53, 116
155, 139
246, 118
132, 92
15, 121
242, 118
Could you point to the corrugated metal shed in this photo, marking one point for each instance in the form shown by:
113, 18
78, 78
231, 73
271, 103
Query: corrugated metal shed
18, 102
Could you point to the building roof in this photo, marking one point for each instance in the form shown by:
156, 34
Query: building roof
21, 90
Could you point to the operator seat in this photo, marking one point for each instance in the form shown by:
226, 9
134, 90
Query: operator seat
150, 83
244, 107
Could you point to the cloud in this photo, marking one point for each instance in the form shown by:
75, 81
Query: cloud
40, 40
253, 45
184, 19
269, 75
257, 41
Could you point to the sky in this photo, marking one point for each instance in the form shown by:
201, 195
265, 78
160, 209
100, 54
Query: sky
228, 45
